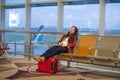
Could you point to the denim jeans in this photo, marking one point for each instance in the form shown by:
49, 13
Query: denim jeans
55, 50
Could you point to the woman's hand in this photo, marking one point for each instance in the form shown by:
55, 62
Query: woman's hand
63, 45
60, 44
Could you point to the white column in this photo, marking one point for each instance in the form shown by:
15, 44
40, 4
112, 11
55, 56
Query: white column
2, 15
60, 16
27, 15
2, 19
27, 48
102, 17
27, 19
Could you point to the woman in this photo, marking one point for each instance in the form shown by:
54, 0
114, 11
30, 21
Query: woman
64, 45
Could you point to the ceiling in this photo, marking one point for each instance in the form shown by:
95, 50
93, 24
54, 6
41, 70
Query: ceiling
54, 3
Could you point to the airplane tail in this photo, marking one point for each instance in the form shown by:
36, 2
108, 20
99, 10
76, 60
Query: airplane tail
40, 28
38, 37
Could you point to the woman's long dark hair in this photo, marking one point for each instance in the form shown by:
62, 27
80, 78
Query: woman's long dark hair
75, 34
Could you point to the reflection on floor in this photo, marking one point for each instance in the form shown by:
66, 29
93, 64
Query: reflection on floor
17, 69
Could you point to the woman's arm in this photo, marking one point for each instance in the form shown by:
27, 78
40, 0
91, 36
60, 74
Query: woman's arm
60, 40
73, 43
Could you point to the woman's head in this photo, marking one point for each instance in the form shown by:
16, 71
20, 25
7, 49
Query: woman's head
73, 31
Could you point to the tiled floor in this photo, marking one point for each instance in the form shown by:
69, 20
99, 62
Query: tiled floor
17, 70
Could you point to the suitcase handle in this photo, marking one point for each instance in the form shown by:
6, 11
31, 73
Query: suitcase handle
53, 66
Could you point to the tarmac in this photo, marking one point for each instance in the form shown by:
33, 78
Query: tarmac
17, 69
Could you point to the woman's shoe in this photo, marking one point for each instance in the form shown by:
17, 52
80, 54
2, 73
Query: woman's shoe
37, 58
42, 59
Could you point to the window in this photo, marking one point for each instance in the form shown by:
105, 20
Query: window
83, 16
39, 0
14, 19
44, 16
112, 19
14, 1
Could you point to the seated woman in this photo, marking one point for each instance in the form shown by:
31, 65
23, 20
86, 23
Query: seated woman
64, 45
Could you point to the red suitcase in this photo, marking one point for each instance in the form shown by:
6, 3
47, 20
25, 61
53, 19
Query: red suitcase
49, 66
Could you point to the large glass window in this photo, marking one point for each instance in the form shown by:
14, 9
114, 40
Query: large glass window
112, 19
14, 19
14, 1
85, 17
44, 16
43, 19
39, 0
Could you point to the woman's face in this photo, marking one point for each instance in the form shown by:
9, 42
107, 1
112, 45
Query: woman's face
72, 30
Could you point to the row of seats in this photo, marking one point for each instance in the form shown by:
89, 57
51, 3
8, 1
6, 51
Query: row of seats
98, 50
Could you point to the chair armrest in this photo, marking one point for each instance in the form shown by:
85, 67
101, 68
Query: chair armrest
115, 53
4, 48
90, 50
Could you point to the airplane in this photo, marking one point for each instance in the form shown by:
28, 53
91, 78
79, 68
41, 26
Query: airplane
37, 42
38, 37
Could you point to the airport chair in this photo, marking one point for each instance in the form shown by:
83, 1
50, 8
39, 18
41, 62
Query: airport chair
3, 50
108, 47
85, 47
107, 52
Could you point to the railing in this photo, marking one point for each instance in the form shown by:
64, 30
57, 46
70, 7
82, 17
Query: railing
22, 43
28, 42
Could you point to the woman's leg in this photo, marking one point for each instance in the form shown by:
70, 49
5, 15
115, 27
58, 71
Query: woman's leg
49, 50
56, 51
50, 53
42, 58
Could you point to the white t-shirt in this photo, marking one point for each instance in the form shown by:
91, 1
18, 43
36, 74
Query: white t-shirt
65, 41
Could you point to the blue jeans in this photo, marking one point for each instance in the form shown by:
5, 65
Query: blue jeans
55, 50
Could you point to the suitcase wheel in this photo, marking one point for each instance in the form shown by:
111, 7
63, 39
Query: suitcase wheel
37, 70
